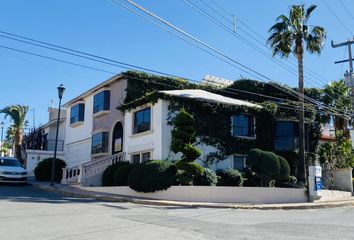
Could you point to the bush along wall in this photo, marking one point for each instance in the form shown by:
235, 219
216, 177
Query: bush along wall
107, 176
43, 171
267, 169
151, 176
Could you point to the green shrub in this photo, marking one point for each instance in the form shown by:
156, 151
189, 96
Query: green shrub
269, 168
229, 177
284, 173
43, 171
152, 176
254, 157
251, 178
187, 172
107, 176
292, 159
120, 175
207, 178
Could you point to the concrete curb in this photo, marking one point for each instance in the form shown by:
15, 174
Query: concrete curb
112, 198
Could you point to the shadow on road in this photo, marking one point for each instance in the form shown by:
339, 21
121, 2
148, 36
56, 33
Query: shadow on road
26, 193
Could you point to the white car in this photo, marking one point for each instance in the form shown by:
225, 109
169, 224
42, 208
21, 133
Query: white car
11, 171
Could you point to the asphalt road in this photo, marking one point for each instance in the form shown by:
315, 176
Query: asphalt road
27, 213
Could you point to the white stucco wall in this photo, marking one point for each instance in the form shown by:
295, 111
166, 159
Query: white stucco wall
158, 140
251, 195
78, 138
146, 141
35, 156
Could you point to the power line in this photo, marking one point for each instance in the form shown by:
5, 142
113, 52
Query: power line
310, 72
290, 91
231, 90
223, 26
53, 59
346, 9
336, 16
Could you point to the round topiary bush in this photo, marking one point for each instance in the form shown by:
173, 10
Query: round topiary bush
187, 172
107, 176
229, 177
151, 176
120, 175
207, 178
43, 171
254, 157
284, 173
269, 168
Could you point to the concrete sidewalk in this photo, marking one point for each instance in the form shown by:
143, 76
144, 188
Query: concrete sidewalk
73, 191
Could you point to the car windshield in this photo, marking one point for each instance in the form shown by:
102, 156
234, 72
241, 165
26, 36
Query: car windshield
9, 162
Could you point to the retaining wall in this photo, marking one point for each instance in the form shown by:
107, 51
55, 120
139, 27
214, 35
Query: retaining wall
254, 195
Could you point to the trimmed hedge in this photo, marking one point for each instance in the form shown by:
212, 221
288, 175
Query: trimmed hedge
229, 177
120, 175
284, 174
187, 172
107, 176
151, 176
43, 171
207, 178
267, 168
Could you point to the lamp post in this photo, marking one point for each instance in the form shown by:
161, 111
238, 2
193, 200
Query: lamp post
60, 95
2, 132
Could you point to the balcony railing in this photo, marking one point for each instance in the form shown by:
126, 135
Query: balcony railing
46, 145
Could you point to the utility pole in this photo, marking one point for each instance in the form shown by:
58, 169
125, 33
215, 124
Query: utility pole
348, 75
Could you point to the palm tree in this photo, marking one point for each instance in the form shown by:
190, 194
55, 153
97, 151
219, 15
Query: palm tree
17, 114
289, 35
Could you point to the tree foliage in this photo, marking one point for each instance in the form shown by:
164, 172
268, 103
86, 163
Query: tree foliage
17, 113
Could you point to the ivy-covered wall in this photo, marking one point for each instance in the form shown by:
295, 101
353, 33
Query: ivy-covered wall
213, 121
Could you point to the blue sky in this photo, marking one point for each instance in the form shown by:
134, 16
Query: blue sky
103, 28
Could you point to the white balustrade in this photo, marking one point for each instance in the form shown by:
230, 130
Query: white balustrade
81, 173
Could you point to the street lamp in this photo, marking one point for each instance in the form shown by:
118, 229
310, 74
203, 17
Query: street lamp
2, 131
60, 95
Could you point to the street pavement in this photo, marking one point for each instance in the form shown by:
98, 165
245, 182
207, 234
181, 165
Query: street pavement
29, 213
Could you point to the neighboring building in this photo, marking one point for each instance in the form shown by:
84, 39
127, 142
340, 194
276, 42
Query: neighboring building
95, 127
328, 134
40, 143
216, 81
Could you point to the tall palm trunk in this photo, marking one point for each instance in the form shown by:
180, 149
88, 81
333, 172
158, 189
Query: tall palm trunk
18, 142
301, 165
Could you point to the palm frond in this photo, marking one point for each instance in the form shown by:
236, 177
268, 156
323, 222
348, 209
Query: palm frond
309, 11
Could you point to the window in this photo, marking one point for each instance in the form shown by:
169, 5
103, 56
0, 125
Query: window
239, 162
99, 143
101, 101
286, 136
77, 113
142, 120
136, 158
243, 126
141, 157
145, 157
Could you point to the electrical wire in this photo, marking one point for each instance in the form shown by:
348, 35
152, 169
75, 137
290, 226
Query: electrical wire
290, 91
336, 16
220, 24
231, 90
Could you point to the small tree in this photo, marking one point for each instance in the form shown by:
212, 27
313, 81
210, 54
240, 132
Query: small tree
17, 113
183, 138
